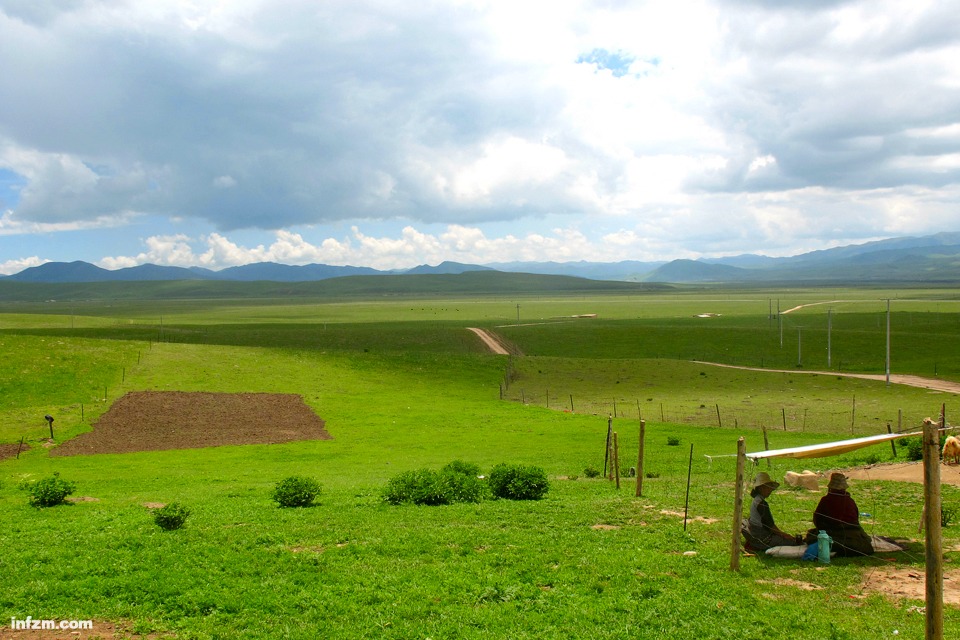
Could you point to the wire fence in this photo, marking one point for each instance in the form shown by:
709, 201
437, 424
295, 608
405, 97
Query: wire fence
862, 420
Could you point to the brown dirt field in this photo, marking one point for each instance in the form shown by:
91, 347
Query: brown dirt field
10, 450
904, 472
910, 584
100, 631
162, 420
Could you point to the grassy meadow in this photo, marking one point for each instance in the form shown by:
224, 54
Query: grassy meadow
403, 385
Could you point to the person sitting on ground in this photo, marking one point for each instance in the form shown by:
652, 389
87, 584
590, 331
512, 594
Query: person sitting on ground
838, 515
761, 532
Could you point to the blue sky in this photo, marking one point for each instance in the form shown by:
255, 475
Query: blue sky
390, 134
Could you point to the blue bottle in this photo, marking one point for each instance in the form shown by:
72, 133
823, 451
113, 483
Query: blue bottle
823, 547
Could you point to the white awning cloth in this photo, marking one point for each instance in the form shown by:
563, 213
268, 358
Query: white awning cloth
829, 448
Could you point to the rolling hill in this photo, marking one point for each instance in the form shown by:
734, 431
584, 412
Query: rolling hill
928, 259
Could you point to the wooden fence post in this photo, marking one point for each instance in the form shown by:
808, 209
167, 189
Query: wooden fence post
934, 536
606, 450
738, 506
616, 459
643, 430
766, 443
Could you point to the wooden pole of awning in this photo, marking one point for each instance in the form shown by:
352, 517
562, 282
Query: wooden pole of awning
738, 506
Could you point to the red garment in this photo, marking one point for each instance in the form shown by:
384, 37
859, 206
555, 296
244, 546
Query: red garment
836, 508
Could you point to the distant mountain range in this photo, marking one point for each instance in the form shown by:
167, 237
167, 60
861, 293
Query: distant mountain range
931, 259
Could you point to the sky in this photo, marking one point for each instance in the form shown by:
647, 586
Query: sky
390, 134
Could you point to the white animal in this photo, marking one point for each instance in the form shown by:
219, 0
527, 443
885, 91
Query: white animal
951, 450
808, 480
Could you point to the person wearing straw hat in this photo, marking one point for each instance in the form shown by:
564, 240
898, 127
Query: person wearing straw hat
762, 532
838, 515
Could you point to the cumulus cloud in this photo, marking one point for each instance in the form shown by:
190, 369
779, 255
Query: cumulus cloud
692, 126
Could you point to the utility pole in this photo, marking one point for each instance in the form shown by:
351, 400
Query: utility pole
829, 328
888, 342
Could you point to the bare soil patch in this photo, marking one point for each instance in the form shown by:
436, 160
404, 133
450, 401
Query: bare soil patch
163, 420
910, 584
10, 450
100, 631
904, 472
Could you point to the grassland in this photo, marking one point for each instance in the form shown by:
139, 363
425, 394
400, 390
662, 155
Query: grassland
402, 385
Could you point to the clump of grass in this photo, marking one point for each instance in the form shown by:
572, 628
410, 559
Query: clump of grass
50, 492
673, 441
456, 482
915, 449
518, 482
296, 491
171, 516
591, 472
947, 515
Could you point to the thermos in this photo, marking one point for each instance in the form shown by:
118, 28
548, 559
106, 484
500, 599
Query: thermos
823, 547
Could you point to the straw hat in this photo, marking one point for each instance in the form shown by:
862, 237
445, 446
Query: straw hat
837, 481
764, 479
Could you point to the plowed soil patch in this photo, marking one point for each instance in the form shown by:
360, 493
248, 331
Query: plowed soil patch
161, 420
10, 450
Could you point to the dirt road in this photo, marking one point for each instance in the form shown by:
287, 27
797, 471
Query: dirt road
934, 384
491, 341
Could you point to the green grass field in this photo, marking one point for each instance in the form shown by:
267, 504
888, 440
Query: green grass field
403, 385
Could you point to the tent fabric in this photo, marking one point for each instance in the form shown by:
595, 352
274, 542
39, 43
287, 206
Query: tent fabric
829, 448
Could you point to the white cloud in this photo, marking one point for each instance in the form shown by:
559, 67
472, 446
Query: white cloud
10, 267
697, 125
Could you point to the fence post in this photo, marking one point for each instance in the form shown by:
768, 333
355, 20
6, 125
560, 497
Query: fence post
606, 450
934, 535
738, 506
643, 433
616, 460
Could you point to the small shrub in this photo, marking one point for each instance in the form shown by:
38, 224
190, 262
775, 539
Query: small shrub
405, 487
171, 517
456, 482
296, 491
947, 515
518, 482
652, 474
459, 487
463, 468
915, 449
50, 491
673, 441
873, 458
591, 472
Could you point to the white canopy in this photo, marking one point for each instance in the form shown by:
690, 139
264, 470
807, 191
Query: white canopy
829, 448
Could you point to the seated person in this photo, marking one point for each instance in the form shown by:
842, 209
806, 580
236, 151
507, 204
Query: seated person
838, 515
761, 532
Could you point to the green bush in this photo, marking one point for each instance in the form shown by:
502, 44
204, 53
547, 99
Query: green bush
463, 468
456, 482
171, 516
461, 487
591, 472
518, 482
50, 491
296, 491
673, 441
408, 486
915, 449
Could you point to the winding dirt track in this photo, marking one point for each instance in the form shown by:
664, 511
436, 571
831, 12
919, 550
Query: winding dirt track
491, 341
933, 384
